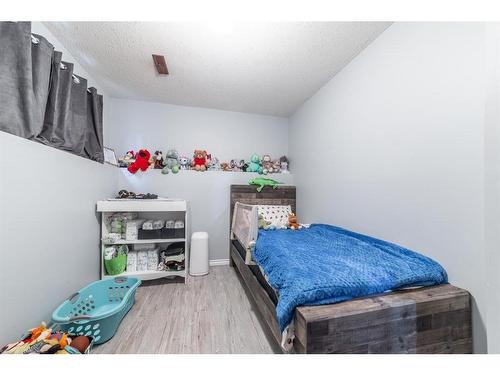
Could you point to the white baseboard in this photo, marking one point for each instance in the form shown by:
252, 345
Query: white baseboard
219, 262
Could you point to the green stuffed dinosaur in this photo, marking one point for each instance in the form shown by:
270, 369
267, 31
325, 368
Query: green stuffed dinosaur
264, 182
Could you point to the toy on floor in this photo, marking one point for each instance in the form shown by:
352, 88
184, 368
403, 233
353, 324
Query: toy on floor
255, 164
171, 162
292, 222
184, 163
267, 165
213, 163
261, 182
127, 159
141, 161
200, 160
44, 340
159, 160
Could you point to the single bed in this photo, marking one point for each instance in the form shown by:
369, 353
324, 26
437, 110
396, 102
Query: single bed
434, 319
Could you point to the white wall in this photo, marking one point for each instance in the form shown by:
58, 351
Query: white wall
49, 231
228, 135
207, 193
400, 133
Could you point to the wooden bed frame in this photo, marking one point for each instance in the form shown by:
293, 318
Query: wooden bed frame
427, 320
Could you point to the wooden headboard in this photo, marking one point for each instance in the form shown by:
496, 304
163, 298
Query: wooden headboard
283, 195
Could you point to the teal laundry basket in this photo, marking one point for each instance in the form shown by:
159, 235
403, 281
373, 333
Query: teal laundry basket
98, 309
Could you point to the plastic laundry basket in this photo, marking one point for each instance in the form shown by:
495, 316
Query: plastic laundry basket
97, 309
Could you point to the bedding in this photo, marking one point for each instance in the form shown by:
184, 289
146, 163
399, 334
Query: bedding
324, 264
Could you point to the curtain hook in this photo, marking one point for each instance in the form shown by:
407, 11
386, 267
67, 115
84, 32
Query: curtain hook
34, 39
75, 79
63, 67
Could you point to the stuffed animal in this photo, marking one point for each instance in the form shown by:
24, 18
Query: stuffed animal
284, 164
141, 161
263, 223
292, 222
184, 162
213, 163
171, 162
159, 160
225, 167
267, 165
200, 160
127, 159
276, 166
237, 165
255, 164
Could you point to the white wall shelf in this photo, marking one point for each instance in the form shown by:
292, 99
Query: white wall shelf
146, 209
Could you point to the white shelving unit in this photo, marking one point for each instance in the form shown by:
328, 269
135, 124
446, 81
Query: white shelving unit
147, 209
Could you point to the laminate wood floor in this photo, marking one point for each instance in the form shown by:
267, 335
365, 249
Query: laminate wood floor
210, 314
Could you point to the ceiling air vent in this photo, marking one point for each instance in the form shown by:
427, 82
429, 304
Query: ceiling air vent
160, 63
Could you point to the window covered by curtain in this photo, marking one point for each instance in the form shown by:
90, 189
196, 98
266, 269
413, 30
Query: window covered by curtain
42, 99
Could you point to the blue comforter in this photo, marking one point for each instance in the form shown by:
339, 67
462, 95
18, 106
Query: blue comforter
325, 264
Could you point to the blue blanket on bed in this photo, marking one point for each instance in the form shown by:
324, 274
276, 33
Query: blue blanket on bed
325, 264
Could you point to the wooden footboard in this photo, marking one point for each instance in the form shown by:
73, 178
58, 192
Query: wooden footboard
428, 320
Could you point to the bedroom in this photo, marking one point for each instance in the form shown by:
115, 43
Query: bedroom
386, 129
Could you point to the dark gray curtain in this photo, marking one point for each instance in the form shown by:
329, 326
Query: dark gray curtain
65, 123
25, 64
42, 99
93, 144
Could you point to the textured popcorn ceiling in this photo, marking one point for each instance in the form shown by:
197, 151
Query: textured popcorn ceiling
266, 68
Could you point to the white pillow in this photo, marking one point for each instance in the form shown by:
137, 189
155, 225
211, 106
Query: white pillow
275, 214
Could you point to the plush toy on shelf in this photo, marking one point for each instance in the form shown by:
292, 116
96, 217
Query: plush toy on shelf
276, 166
200, 160
284, 164
213, 163
255, 164
292, 222
127, 159
171, 162
159, 160
263, 223
184, 163
237, 165
267, 165
141, 162
225, 167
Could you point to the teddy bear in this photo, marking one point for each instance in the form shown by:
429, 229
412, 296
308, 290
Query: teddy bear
200, 160
141, 161
267, 165
292, 221
255, 164
184, 162
159, 160
171, 162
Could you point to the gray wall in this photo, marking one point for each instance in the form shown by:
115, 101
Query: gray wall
400, 137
